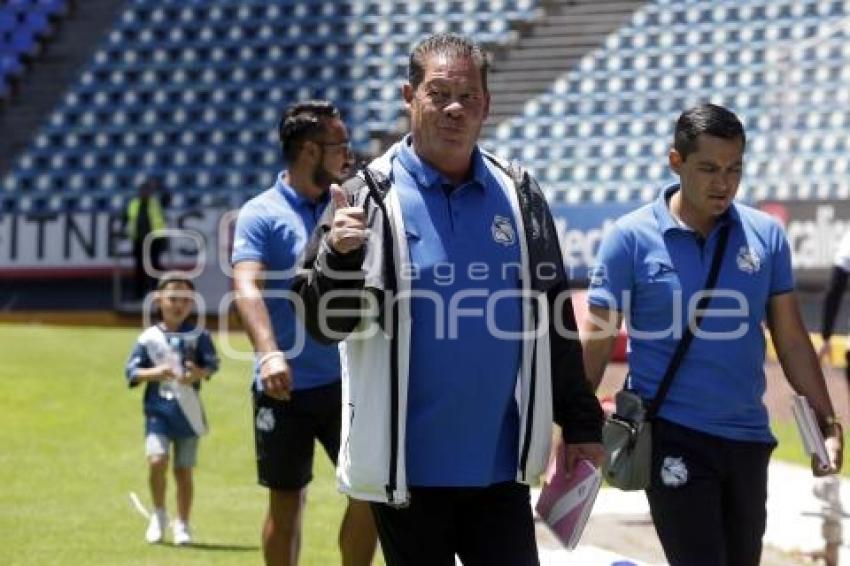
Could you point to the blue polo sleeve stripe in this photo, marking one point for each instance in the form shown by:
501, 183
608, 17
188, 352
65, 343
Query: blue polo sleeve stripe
612, 276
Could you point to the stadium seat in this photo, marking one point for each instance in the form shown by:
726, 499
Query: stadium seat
776, 62
8, 21
193, 90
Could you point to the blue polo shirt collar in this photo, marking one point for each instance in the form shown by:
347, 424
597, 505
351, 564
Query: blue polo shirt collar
295, 199
667, 222
426, 176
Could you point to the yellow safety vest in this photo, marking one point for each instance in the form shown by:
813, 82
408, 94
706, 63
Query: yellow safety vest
157, 219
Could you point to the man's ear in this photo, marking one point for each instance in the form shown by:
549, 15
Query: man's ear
309, 151
675, 160
407, 93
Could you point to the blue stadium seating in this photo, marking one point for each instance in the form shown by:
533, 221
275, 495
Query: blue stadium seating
24, 25
191, 91
602, 131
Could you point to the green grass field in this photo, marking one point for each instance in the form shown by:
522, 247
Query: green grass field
71, 451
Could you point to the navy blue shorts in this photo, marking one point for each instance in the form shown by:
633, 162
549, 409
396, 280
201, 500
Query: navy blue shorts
286, 431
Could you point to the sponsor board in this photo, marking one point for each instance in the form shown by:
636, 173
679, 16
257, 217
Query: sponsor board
814, 230
581, 228
93, 244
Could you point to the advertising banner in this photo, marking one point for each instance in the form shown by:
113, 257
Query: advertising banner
581, 228
67, 245
814, 230
93, 245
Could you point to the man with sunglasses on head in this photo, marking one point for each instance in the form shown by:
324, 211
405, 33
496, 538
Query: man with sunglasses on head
296, 388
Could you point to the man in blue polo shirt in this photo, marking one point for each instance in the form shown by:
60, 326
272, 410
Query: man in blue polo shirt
444, 225
450, 400
711, 439
297, 393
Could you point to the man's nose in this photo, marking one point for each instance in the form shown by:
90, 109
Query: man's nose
725, 180
454, 108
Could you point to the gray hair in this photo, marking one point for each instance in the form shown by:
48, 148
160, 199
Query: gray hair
449, 44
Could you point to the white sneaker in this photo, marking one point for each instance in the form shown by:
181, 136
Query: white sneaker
156, 526
182, 532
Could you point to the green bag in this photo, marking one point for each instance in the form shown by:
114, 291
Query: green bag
627, 437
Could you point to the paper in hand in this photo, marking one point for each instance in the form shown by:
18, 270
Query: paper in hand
807, 424
565, 502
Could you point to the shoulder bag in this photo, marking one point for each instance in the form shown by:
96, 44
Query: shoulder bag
627, 434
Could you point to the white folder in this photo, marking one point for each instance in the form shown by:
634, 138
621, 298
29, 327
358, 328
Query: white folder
807, 424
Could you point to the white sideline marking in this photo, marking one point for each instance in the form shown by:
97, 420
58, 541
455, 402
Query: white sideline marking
137, 503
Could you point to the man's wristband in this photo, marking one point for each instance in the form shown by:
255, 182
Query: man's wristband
268, 356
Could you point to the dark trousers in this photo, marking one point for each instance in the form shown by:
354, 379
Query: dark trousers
484, 526
707, 496
144, 281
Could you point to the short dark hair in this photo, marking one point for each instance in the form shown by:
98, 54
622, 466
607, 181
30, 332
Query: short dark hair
301, 122
445, 43
709, 119
174, 277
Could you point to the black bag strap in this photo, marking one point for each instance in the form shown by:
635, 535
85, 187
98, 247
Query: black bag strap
688, 335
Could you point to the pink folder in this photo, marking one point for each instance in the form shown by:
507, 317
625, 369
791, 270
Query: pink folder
565, 502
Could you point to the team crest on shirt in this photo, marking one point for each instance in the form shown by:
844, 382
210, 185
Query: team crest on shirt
748, 260
503, 231
658, 269
265, 419
674, 473
598, 275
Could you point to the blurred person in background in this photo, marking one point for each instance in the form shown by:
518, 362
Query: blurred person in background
144, 216
172, 357
832, 300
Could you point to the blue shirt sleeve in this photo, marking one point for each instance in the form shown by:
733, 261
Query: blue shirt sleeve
613, 274
251, 236
781, 272
138, 359
205, 355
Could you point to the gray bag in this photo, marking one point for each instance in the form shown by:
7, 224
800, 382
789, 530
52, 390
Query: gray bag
627, 434
627, 437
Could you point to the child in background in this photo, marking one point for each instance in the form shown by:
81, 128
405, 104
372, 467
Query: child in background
172, 357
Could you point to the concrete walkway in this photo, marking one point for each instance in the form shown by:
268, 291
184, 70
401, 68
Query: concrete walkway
620, 531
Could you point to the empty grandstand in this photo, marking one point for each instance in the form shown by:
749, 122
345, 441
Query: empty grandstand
191, 91
600, 133
584, 92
